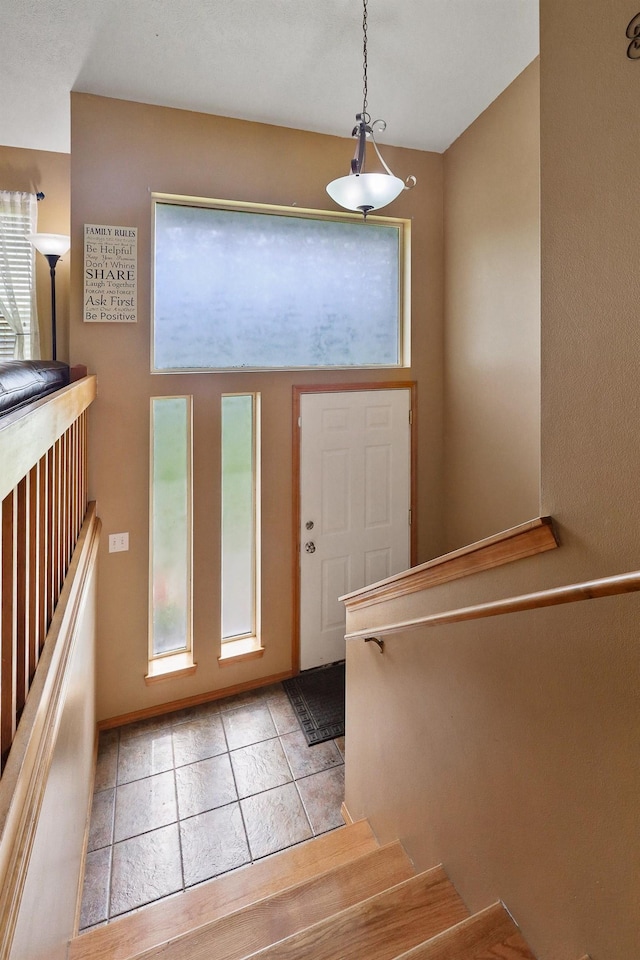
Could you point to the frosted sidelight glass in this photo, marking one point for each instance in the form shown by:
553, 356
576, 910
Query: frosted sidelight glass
238, 516
237, 289
170, 525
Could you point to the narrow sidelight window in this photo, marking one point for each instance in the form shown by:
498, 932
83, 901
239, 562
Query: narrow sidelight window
239, 516
170, 600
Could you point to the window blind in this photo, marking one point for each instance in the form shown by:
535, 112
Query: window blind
19, 252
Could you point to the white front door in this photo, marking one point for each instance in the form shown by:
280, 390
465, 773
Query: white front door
355, 497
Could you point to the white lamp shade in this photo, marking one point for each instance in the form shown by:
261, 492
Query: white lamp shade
55, 244
368, 190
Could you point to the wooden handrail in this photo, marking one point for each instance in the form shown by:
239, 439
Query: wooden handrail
43, 501
525, 540
28, 433
589, 590
26, 777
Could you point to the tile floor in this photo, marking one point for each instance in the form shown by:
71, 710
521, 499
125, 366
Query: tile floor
187, 796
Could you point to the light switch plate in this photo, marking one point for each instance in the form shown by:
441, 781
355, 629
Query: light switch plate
118, 542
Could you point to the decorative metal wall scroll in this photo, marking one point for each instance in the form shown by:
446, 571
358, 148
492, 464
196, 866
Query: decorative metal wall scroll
633, 33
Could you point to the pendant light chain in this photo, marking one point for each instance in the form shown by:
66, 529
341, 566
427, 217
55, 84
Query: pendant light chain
365, 116
361, 190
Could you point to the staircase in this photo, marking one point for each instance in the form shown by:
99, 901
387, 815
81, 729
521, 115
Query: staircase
341, 896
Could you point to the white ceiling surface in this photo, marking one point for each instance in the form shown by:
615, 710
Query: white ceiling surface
434, 65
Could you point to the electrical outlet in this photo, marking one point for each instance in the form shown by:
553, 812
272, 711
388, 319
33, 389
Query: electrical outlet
118, 542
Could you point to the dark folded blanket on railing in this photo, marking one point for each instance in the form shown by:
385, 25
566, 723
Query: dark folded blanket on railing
24, 380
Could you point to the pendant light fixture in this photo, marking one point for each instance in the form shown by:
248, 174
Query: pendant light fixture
359, 190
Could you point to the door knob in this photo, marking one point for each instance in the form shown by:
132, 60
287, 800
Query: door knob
310, 546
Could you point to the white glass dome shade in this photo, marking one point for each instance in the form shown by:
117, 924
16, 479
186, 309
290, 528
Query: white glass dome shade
50, 244
365, 191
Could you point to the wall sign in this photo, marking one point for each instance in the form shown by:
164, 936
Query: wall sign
110, 274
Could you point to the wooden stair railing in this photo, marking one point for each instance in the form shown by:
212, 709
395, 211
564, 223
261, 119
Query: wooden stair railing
525, 540
589, 590
43, 496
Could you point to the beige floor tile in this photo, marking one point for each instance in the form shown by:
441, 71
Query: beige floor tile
208, 709
322, 795
213, 843
305, 760
107, 737
244, 699
106, 764
284, 716
145, 805
248, 724
143, 756
260, 767
275, 692
145, 869
95, 890
198, 740
149, 725
274, 820
204, 786
101, 824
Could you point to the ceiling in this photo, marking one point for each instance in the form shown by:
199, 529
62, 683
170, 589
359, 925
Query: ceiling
434, 65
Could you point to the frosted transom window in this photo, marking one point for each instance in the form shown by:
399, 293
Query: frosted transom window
242, 289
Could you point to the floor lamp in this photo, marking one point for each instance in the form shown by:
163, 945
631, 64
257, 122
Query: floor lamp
52, 246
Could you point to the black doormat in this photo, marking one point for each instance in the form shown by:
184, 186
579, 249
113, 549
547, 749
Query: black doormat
317, 696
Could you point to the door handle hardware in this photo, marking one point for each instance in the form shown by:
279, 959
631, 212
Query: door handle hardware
380, 643
309, 524
310, 546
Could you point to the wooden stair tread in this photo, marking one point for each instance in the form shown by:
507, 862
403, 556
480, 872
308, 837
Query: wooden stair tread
291, 910
157, 923
379, 928
490, 934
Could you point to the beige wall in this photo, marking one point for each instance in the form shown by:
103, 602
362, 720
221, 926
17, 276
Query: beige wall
32, 171
510, 746
120, 153
492, 311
